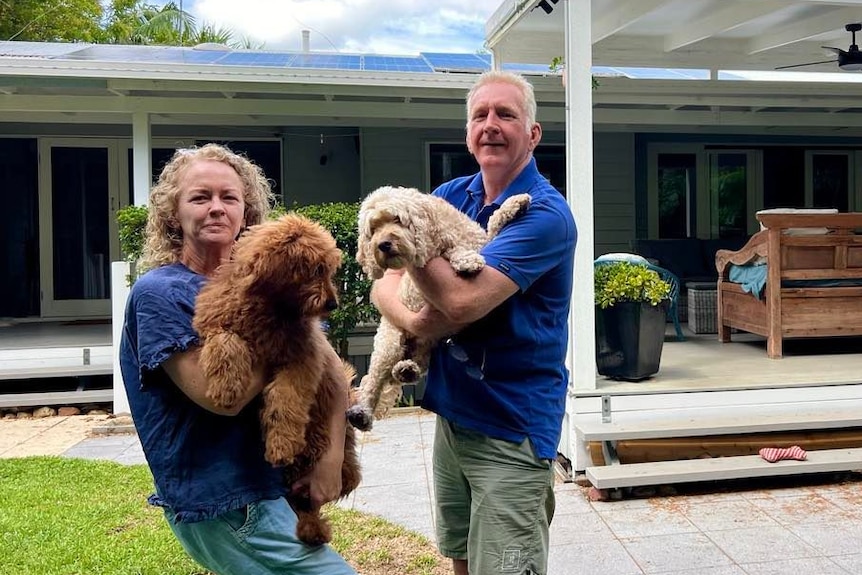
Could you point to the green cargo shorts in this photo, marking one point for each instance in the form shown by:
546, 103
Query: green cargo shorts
495, 502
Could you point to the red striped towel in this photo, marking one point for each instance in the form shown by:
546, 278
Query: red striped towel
773, 454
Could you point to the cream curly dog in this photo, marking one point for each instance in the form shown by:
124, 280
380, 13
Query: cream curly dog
399, 226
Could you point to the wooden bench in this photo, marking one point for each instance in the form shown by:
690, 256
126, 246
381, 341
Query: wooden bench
716, 422
807, 309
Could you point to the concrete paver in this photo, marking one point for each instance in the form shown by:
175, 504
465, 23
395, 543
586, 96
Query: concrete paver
46, 436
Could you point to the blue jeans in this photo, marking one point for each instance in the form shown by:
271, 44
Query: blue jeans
259, 539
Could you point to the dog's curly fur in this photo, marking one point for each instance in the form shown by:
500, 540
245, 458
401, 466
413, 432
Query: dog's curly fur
311, 527
398, 226
264, 308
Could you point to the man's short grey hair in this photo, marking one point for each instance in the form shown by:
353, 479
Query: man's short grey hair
498, 76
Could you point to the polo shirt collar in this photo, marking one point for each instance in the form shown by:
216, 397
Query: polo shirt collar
522, 183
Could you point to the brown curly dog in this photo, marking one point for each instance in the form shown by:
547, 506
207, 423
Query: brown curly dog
263, 309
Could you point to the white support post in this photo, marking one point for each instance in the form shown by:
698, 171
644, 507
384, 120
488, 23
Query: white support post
142, 156
579, 192
142, 180
119, 293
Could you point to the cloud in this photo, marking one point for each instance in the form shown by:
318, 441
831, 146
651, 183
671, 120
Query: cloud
370, 26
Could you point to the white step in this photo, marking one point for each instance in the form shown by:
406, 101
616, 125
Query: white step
57, 398
34, 363
720, 468
725, 421
43, 372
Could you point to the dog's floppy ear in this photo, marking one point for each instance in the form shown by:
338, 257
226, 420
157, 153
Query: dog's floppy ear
365, 252
259, 255
419, 212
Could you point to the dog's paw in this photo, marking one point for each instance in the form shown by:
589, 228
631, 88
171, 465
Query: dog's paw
406, 371
512, 208
467, 264
360, 417
224, 396
313, 530
521, 204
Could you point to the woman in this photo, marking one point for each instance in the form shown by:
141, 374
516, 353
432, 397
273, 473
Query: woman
223, 501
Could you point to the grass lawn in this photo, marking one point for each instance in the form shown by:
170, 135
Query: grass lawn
71, 516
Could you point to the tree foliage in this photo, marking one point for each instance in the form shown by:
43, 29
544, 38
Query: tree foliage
115, 22
51, 20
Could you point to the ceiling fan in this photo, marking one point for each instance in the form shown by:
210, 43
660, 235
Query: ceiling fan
850, 59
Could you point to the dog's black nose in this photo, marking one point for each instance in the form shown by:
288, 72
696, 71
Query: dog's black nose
331, 305
384, 247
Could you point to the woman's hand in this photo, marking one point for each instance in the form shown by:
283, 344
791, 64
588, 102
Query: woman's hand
323, 483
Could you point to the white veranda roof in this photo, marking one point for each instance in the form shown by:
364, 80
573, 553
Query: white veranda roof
707, 34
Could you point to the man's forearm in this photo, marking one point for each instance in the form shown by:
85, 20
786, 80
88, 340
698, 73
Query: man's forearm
384, 295
462, 300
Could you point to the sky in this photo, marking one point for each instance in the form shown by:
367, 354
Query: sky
365, 26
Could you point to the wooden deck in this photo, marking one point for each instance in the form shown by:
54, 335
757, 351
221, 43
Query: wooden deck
702, 363
701, 378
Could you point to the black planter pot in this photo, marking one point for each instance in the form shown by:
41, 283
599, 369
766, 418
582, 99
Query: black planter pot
629, 340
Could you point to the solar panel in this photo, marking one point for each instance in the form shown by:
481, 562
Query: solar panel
112, 53
427, 62
730, 76
173, 55
275, 59
41, 49
329, 61
202, 56
664, 73
442, 61
395, 64
606, 71
528, 68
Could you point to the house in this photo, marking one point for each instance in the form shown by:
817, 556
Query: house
84, 128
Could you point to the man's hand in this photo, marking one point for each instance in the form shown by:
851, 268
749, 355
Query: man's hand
430, 323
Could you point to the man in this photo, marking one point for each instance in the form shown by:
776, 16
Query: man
499, 383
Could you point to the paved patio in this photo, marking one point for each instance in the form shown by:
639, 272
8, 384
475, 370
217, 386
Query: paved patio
811, 525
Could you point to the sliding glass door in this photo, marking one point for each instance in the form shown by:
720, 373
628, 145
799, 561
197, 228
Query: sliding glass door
79, 193
734, 182
829, 181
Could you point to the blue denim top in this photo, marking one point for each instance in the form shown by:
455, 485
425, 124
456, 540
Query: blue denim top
523, 342
203, 464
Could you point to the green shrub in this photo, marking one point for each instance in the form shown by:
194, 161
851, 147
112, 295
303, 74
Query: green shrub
625, 281
132, 221
354, 306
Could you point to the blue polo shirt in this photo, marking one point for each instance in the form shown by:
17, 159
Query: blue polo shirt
520, 347
203, 464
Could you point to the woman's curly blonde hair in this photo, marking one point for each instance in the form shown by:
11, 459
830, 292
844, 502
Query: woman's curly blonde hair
164, 237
